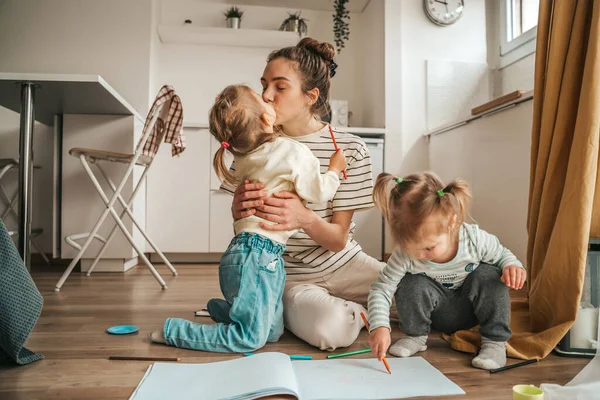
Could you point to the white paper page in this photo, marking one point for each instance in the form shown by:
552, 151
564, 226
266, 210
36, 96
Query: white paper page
220, 380
368, 379
585, 385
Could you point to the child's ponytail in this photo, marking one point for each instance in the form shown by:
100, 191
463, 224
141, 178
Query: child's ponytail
460, 197
381, 193
221, 169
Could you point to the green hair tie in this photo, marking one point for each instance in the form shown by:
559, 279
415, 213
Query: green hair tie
441, 192
399, 180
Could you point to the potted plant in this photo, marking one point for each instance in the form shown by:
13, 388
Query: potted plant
233, 16
341, 23
295, 23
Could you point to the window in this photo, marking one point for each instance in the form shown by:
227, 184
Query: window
522, 16
518, 22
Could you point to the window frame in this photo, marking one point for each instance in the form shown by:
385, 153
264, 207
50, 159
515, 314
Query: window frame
518, 48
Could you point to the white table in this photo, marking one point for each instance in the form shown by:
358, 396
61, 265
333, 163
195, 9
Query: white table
45, 98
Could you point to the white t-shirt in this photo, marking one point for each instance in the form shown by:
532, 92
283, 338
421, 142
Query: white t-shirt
284, 164
303, 256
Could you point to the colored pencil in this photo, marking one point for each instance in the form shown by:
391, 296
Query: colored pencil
132, 358
350, 353
301, 357
519, 364
387, 366
336, 148
291, 357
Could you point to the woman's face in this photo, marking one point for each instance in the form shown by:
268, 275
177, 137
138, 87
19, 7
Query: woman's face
282, 88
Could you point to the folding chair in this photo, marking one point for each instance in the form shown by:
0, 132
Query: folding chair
6, 164
164, 120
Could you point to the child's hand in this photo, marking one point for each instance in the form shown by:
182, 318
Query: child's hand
513, 277
379, 341
337, 162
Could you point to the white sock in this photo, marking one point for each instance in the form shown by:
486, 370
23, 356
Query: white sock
491, 356
408, 345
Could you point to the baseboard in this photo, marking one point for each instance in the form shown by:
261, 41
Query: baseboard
131, 263
37, 259
109, 265
188, 258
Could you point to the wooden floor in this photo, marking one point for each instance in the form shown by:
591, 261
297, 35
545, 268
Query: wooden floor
71, 333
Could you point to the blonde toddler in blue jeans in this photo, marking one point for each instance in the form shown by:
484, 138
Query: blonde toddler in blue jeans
251, 272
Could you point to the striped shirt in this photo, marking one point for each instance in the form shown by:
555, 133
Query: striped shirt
475, 246
304, 258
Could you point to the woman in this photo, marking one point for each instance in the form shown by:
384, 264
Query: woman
328, 274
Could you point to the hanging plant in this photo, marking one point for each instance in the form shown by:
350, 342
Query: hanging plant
341, 23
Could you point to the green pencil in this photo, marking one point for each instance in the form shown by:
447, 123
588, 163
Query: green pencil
349, 353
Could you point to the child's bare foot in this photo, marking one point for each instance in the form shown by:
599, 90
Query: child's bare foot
157, 337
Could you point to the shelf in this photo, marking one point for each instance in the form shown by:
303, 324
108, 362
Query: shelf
186, 34
354, 6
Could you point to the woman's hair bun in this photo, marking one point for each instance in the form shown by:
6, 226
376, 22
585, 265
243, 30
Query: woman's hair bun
323, 49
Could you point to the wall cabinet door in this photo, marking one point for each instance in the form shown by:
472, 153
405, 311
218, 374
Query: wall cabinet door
178, 196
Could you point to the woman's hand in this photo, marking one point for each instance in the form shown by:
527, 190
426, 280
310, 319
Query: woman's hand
380, 340
514, 277
246, 199
287, 211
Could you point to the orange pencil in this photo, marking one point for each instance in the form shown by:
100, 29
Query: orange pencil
387, 366
336, 148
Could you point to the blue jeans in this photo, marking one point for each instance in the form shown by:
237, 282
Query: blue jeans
252, 278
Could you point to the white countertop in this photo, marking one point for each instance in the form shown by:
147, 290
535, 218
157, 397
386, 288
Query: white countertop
362, 130
64, 94
349, 129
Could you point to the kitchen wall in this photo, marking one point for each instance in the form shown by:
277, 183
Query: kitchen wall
410, 40
110, 38
200, 72
492, 154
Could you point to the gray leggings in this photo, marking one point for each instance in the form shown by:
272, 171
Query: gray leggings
423, 304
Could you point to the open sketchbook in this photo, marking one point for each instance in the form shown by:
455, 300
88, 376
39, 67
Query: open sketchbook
267, 374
